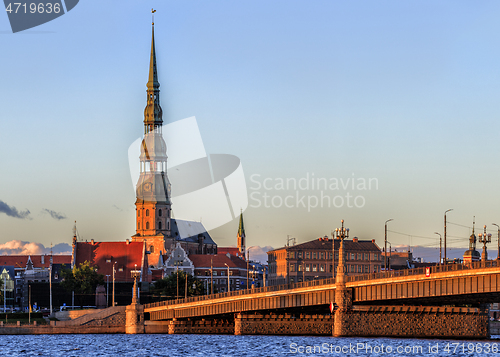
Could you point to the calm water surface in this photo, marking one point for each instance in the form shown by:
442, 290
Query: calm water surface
230, 345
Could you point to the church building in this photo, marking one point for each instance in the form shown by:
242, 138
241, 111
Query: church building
154, 223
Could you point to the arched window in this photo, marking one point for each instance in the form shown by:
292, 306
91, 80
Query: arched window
152, 249
138, 213
147, 213
147, 225
159, 212
168, 224
159, 225
138, 225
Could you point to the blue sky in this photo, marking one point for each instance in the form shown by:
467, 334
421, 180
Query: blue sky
404, 92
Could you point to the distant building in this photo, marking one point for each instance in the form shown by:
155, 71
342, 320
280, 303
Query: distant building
26, 269
205, 264
313, 260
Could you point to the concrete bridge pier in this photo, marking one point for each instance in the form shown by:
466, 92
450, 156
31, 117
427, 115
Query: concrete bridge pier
134, 314
343, 299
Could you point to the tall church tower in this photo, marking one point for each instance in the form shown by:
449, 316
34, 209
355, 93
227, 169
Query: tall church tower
153, 205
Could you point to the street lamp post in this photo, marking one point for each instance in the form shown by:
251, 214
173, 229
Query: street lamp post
385, 244
113, 300
177, 274
439, 246
445, 258
50, 287
211, 275
484, 238
107, 290
494, 224
228, 286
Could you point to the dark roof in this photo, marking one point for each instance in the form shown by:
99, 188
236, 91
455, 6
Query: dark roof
188, 231
326, 244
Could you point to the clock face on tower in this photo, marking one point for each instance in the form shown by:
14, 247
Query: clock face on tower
147, 187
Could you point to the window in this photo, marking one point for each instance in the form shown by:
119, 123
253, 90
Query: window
108, 260
159, 212
307, 267
300, 255
367, 268
307, 255
152, 249
147, 213
360, 256
292, 267
322, 255
322, 268
120, 269
147, 225
375, 256
300, 267
315, 268
314, 255
331, 268
292, 255
353, 256
159, 225
138, 225
138, 213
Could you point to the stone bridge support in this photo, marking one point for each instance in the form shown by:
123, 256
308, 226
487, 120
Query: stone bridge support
315, 325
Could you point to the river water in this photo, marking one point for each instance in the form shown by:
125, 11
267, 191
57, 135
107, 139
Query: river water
239, 346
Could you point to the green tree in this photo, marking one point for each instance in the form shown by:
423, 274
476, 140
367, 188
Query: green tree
166, 288
83, 279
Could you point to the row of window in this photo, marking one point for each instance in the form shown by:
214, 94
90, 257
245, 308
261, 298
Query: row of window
328, 255
160, 213
159, 225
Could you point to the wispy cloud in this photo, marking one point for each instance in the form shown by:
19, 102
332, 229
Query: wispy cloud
54, 214
18, 247
13, 212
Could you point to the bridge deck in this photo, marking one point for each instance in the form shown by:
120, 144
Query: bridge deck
451, 281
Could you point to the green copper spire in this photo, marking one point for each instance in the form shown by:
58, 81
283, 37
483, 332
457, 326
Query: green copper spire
241, 237
241, 229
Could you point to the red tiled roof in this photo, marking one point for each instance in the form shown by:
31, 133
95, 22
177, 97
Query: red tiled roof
20, 261
217, 261
103, 254
231, 250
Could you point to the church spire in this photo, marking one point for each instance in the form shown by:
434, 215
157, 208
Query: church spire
153, 74
153, 113
241, 236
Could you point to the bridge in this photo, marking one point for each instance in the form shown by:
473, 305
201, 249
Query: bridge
456, 284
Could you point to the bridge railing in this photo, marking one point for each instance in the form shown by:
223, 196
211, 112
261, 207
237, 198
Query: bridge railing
243, 292
421, 271
382, 275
